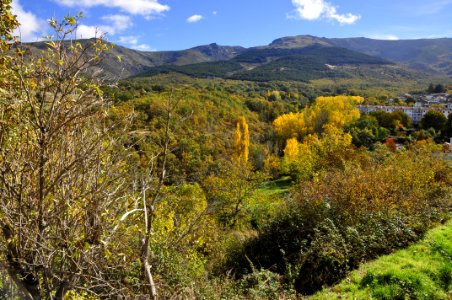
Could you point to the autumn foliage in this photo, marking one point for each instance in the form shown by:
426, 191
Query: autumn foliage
334, 111
173, 181
375, 204
241, 141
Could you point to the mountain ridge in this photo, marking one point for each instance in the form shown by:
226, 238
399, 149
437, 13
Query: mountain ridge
433, 56
429, 56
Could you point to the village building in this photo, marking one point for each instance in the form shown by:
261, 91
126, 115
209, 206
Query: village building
439, 102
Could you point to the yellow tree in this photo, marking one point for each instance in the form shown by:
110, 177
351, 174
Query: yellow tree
299, 159
334, 111
241, 141
291, 149
290, 125
333, 148
8, 23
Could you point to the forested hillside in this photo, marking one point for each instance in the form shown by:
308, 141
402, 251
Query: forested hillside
299, 64
425, 55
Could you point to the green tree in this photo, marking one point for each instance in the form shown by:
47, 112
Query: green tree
392, 121
229, 191
402, 118
439, 88
449, 126
366, 131
433, 119
410, 100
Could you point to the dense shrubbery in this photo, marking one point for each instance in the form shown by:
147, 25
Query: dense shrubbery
341, 218
422, 271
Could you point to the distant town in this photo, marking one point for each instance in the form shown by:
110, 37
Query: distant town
420, 104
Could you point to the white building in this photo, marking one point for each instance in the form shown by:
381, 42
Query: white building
415, 112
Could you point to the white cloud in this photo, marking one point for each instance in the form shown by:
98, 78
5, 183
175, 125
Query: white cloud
142, 47
134, 7
132, 42
388, 37
315, 9
214, 13
194, 19
87, 32
117, 24
31, 27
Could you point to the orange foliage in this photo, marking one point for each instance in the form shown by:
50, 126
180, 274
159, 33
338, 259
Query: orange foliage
391, 144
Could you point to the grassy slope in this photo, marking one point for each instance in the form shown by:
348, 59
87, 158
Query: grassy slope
276, 187
422, 271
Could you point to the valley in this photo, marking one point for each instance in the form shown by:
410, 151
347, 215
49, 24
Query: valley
310, 167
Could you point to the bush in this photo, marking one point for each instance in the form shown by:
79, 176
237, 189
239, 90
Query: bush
345, 217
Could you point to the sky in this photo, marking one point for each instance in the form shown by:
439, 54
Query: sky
156, 25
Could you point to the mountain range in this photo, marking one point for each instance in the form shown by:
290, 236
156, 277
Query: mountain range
300, 58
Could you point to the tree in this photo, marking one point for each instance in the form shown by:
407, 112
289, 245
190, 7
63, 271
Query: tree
434, 119
402, 118
62, 185
327, 111
366, 131
229, 191
299, 158
290, 125
391, 144
439, 88
392, 121
241, 141
291, 149
152, 184
410, 100
334, 111
449, 126
8, 23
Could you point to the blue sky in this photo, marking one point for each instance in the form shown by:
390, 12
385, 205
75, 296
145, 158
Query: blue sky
181, 24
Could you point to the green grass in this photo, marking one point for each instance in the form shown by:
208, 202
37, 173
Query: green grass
449, 159
276, 187
422, 271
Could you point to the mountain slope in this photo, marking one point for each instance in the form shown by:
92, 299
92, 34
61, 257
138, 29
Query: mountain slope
292, 64
134, 62
433, 56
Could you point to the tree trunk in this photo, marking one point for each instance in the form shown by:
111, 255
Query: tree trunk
26, 282
147, 269
62, 289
